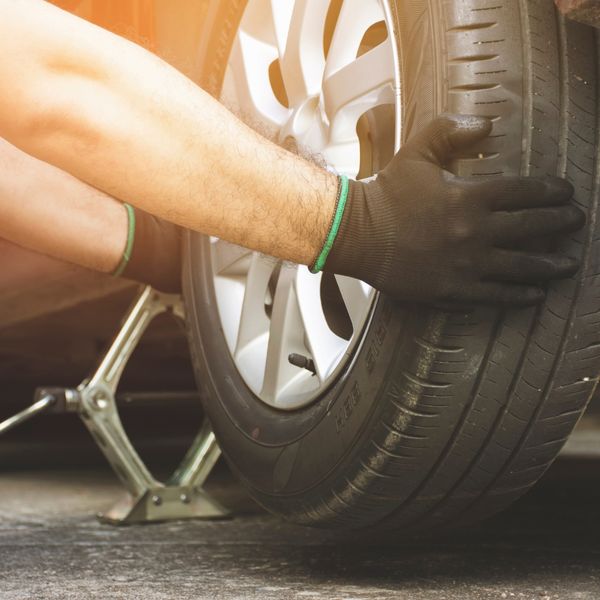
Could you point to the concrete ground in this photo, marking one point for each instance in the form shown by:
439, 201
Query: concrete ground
51, 547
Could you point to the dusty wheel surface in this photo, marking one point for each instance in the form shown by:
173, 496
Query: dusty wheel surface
396, 416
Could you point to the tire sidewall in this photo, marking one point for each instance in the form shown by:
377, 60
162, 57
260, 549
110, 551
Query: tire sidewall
280, 453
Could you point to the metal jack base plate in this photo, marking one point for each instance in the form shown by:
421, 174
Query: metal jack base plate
147, 500
164, 504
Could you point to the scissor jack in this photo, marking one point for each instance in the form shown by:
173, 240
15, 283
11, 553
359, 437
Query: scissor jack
146, 500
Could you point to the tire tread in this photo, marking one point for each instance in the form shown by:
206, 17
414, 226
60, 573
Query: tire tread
496, 461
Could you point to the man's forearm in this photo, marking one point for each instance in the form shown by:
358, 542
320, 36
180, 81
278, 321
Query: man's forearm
140, 131
47, 210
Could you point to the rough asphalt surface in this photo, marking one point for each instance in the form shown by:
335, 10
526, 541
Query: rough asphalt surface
547, 547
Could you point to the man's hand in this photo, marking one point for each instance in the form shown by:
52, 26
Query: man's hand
419, 233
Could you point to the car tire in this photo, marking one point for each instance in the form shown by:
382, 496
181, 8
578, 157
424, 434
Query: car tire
438, 416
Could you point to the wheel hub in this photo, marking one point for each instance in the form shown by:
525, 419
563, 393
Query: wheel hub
306, 126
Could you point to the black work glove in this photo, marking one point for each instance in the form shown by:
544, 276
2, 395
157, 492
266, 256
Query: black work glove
419, 233
156, 254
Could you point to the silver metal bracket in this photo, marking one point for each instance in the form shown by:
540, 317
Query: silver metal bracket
146, 500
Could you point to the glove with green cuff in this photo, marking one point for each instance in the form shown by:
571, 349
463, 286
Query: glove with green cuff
421, 234
152, 255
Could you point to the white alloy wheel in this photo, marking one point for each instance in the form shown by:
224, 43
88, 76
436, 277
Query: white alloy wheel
322, 77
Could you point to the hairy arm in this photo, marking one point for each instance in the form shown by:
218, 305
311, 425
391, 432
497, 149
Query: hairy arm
119, 118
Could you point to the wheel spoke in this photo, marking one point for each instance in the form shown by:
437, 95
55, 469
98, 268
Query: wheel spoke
249, 66
230, 260
285, 337
230, 264
254, 322
356, 16
281, 15
345, 156
325, 347
357, 297
363, 84
303, 62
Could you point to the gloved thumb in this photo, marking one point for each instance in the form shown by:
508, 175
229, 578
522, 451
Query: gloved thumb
445, 136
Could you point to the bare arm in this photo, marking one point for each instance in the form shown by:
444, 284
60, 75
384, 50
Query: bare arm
47, 210
127, 123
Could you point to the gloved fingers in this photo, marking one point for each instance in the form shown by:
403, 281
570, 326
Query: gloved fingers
528, 267
500, 294
507, 227
445, 136
517, 193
